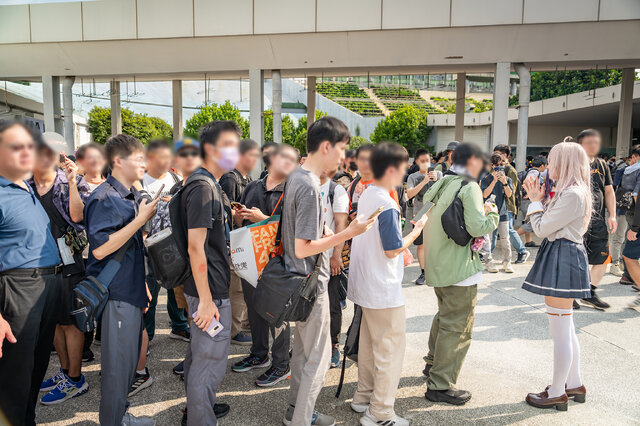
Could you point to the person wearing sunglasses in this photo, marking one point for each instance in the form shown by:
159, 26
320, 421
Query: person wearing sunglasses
28, 282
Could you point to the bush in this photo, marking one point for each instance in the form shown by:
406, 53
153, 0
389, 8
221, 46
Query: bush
406, 126
226, 111
356, 141
140, 126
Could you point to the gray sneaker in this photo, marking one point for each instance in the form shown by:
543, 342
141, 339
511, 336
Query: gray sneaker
317, 419
131, 420
635, 304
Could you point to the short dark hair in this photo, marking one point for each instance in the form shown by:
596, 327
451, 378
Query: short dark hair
539, 161
496, 159
326, 129
350, 153
121, 146
505, 149
364, 148
247, 145
7, 124
420, 152
268, 145
281, 147
465, 151
586, 133
635, 150
385, 155
210, 132
157, 144
82, 150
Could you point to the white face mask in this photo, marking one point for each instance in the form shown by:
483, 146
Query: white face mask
424, 167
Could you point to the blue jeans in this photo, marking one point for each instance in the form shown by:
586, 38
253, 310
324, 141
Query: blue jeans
176, 315
516, 242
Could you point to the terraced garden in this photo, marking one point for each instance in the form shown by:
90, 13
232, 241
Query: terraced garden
341, 90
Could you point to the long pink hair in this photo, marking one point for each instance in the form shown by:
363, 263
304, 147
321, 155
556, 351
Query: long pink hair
569, 167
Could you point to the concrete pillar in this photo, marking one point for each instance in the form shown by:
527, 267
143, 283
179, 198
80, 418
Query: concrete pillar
116, 112
51, 104
499, 123
625, 113
523, 115
256, 112
311, 100
276, 103
67, 106
176, 90
460, 105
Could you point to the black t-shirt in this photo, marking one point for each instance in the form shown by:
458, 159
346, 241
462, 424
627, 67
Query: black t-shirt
233, 184
600, 177
203, 207
257, 195
58, 229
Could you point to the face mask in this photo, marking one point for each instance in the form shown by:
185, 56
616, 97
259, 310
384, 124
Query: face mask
228, 158
424, 167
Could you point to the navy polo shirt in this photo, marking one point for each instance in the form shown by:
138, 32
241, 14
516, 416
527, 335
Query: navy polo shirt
25, 235
111, 207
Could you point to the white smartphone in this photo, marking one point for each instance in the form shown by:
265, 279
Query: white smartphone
214, 328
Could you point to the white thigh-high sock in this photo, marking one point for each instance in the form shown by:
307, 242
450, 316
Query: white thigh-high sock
560, 327
573, 379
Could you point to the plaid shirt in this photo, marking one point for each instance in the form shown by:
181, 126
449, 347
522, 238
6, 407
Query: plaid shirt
61, 195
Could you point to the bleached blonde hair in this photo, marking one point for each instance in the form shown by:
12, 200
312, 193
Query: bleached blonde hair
569, 168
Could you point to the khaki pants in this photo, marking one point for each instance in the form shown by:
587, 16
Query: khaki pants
310, 361
180, 299
380, 358
450, 335
239, 317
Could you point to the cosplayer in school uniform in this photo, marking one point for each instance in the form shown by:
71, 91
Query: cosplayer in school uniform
561, 270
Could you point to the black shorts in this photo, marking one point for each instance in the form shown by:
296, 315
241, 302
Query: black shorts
596, 242
66, 298
418, 241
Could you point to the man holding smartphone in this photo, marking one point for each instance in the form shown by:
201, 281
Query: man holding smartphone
418, 184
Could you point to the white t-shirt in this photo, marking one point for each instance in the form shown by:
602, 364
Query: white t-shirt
152, 185
340, 203
375, 281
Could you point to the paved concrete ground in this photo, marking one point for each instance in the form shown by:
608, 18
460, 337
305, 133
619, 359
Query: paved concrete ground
510, 355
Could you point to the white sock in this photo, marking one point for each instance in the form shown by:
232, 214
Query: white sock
573, 379
560, 321
142, 372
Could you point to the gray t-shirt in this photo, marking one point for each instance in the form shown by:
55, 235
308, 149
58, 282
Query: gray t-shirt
303, 219
412, 181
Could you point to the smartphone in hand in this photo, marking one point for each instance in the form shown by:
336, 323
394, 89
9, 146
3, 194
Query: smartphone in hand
214, 328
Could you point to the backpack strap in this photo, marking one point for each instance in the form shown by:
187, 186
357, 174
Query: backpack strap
332, 191
352, 188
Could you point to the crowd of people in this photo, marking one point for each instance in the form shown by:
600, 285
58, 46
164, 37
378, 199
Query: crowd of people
350, 215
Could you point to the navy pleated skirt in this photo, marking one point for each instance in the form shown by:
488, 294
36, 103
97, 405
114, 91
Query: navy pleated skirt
561, 269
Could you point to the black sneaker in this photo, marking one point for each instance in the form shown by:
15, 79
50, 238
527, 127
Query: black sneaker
451, 396
595, 302
522, 257
141, 381
179, 369
272, 376
220, 410
87, 356
421, 279
250, 363
530, 244
576, 305
427, 369
626, 280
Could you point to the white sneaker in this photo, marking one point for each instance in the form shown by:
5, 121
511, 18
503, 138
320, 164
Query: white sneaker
368, 420
359, 408
616, 269
491, 267
506, 267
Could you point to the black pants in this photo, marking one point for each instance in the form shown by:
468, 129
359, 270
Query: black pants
29, 302
335, 309
260, 330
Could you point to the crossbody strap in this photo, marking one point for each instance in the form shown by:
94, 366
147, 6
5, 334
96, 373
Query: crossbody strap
112, 267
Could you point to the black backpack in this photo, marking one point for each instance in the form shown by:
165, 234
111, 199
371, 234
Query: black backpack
167, 250
452, 218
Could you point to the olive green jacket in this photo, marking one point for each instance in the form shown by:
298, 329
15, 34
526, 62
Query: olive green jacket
446, 262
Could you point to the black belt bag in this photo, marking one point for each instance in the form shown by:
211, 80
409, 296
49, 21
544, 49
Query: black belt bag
282, 295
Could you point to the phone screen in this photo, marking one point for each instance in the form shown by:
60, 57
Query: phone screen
424, 210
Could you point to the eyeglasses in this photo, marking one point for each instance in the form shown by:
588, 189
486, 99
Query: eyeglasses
20, 147
185, 154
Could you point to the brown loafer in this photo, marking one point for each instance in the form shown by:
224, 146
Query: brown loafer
578, 394
542, 400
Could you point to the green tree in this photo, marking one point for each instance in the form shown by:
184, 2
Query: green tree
289, 130
140, 126
356, 141
407, 126
225, 111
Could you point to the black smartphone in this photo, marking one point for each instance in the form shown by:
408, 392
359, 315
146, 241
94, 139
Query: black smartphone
431, 169
424, 210
159, 193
